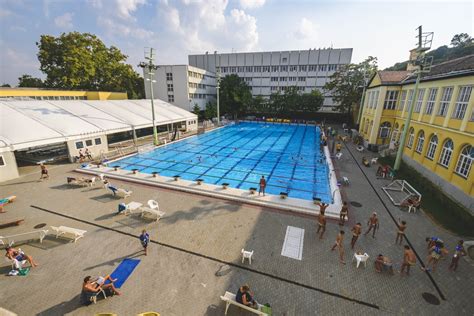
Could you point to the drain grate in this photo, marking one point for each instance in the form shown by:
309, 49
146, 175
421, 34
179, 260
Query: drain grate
40, 226
430, 298
356, 204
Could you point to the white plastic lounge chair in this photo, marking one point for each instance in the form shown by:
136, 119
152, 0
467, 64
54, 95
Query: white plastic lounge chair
123, 193
36, 234
153, 204
15, 263
70, 232
229, 299
152, 212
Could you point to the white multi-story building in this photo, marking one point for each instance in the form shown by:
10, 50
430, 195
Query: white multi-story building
183, 86
269, 72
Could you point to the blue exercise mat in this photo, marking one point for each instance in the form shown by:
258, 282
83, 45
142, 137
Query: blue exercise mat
123, 271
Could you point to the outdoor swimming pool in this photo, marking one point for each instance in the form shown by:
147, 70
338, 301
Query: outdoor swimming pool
288, 156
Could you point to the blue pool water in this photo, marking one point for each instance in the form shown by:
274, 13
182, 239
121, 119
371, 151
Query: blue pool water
288, 156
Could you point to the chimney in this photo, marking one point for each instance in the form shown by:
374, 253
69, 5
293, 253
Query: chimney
411, 61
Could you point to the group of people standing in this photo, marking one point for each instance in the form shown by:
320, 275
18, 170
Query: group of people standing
436, 247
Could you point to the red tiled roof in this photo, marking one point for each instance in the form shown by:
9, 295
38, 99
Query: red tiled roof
388, 76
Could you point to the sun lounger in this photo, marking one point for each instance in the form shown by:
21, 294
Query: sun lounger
229, 299
123, 193
70, 232
37, 234
152, 212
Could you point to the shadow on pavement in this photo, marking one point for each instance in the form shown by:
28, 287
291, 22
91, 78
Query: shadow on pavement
116, 260
63, 308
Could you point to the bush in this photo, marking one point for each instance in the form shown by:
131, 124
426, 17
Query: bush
442, 208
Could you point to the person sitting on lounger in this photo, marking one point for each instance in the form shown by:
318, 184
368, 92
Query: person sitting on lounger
88, 154
6, 201
365, 162
99, 282
245, 297
383, 263
412, 201
14, 254
112, 188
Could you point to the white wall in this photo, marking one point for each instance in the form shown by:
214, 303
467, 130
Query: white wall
95, 149
10, 169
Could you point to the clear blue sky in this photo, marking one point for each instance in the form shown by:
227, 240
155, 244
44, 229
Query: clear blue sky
380, 28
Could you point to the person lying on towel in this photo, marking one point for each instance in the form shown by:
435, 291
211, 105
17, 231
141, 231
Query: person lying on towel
6, 201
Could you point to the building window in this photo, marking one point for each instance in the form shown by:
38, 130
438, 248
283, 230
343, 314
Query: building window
292, 78
98, 141
385, 130
89, 142
446, 153
411, 138
248, 69
170, 97
284, 60
432, 147
420, 142
313, 67
282, 78
390, 100
462, 102
419, 101
274, 88
241, 69
431, 100
2, 161
79, 145
293, 68
322, 67
403, 97
301, 78
332, 67
283, 68
375, 100
233, 69
465, 161
258, 69
445, 100
274, 68
266, 69
225, 69
303, 68
169, 76
274, 79
170, 87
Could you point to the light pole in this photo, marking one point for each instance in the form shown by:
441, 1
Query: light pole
150, 67
362, 99
218, 83
423, 64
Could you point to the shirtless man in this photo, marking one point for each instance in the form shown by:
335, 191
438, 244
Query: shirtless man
409, 259
321, 224
322, 207
402, 225
436, 252
340, 245
383, 263
356, 231
373, 223
343, 214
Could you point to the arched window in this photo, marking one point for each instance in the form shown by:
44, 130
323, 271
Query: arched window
420, 142
366, 127
385, 130
432, 147
465, 161
411, 138
446, 153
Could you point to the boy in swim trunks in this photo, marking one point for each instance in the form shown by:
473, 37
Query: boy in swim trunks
321, 224
402, 225
343, 214
356, 231
409, 259
145, 239
340, 245
373, 223
435, 254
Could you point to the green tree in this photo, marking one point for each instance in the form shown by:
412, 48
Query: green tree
82, 61
5, 85
27, 81
211, 110
197, 111
461, 40
234, 95
346, 84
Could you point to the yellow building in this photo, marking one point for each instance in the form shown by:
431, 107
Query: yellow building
47, 94
440, 139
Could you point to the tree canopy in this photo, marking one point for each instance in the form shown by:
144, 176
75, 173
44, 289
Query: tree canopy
346, 84
234, 95
27, 81
82, 61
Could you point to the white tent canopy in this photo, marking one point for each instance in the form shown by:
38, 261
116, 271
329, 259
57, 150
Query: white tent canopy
26, 124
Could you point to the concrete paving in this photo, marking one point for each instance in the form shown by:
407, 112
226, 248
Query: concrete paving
195, 256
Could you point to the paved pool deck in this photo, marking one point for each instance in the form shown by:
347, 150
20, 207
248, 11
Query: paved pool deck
195, 256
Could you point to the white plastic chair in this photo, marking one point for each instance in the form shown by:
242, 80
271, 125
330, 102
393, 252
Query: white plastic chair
361, 258
247, 255
15, 263
153, 204
374, 161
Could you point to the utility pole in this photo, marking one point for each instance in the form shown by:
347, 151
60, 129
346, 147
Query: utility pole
362, 99
423, 64
218, 83
151, 67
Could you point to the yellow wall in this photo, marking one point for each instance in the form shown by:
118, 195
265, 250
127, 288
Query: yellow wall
461, 132
89, 95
